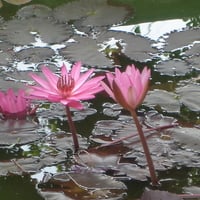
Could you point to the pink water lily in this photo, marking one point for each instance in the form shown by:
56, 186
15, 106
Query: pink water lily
14, 104
128, 88
69, 88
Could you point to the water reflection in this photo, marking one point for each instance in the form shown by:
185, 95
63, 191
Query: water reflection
154, 30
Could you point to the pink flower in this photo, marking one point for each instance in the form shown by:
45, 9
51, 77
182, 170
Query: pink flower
128, 88
14, 106
69, 88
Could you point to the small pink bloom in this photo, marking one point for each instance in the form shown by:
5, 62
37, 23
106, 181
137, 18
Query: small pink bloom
128, 88
14, 105
69, 88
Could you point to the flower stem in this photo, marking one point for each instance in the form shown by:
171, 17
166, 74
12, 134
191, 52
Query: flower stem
72, 129
146, 149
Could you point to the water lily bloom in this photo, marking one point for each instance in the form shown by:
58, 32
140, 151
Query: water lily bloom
128, 88
69, 88
14, 104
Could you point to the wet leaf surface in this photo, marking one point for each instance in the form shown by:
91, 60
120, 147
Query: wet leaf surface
17, 2
84, 186
94, 13
17, 132
23, 32
159, 195
34, 10
173, 68
135, 47
189, 96
35, 55
162, 100
181, 39
90, 56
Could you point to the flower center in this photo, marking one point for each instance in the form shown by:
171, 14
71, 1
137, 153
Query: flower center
65, 85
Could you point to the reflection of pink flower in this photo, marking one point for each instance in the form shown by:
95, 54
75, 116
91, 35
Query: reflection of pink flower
128, 88
14, 106
69, 88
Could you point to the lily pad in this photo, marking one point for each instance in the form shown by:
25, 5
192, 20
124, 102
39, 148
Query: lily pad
159, 195
135, 47
173, 68
86, 50
34, 10
162, 100
18, 132
23, 32
188, 138
195, 62
35, 55
181, 39
18, 2
94, 12
194, 50
189, 96
84, 186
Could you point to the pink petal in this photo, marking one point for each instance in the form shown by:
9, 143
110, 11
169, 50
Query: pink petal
75, 71
51, 77
82, 79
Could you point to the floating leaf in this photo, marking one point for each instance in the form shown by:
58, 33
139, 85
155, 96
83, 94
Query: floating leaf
22, 32
34, 10
35, 55
17, 132
96, 181
84, 186
162, 100
86, 50
189, 96
195, 62
18, 2
188, 138
159, 195
135, 47
133, 171
94, 12
181, 39
154, 119
173, 68
194, 50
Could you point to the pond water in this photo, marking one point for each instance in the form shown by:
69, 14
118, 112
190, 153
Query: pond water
36, 153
